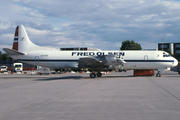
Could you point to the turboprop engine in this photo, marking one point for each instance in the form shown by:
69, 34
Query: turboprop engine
99, 62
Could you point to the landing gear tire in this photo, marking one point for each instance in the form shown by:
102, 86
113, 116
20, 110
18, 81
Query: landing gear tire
92, 75
158, 74
99, 74
178, 72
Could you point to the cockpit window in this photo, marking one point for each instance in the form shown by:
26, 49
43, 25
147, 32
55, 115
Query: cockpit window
166, 55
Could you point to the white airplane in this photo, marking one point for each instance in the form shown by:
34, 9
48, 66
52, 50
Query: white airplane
26, 51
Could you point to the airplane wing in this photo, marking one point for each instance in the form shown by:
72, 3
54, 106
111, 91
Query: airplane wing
12, 52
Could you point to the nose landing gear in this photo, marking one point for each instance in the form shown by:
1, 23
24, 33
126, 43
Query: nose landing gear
158, 74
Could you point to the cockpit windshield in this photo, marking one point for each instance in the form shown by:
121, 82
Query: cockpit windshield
166, 55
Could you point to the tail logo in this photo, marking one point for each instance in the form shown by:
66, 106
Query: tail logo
22, 39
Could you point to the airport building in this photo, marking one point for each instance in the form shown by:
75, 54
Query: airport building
173, 48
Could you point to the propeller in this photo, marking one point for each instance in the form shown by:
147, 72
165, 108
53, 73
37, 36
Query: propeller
121, 61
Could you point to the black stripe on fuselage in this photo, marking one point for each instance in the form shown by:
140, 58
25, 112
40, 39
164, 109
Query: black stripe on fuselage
149, 60
31, 60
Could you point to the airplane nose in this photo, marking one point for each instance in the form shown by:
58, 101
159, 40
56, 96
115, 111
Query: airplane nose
175, 62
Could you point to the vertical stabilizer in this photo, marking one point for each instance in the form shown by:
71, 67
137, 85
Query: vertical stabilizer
22, 42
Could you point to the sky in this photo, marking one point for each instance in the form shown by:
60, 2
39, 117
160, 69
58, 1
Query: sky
101, 24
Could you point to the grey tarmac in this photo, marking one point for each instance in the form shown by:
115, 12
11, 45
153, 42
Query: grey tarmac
116, 96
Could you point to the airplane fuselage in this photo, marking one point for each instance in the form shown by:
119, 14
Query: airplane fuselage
70, 59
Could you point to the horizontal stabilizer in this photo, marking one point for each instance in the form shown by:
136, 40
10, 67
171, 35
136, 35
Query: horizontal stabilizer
12, 52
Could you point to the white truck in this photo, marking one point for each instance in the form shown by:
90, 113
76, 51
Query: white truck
44, 71
18, 67
3, 69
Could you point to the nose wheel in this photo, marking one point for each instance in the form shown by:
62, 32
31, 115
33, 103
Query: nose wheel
158, 74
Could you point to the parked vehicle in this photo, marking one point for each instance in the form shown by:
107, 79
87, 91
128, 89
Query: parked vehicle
38, 67
4, 69
44, 71
17, 67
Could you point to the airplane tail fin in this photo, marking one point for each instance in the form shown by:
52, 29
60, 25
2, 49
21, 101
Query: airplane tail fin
22, 42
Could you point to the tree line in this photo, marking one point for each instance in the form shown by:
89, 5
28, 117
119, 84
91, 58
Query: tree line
4, 56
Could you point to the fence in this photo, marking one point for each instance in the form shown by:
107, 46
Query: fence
9, 63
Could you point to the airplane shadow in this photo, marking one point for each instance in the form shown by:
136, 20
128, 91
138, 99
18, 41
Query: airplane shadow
80, 78
60, 78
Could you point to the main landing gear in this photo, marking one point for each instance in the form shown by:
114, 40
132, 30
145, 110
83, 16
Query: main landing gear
93, 75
